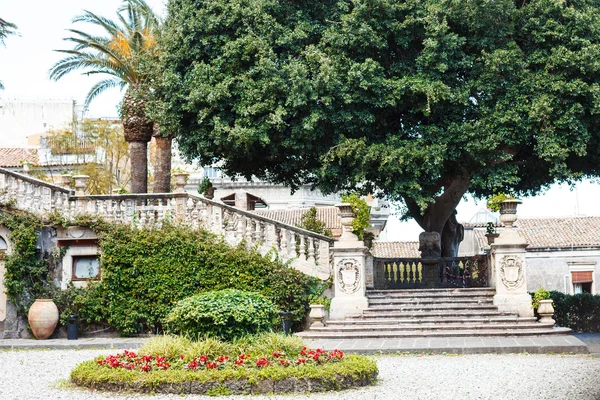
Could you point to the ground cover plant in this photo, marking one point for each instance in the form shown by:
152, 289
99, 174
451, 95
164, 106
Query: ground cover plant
253, 364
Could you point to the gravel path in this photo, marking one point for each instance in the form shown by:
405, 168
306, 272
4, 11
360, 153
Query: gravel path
38, 375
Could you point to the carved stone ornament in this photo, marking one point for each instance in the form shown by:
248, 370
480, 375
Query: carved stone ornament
511, 272
348, 275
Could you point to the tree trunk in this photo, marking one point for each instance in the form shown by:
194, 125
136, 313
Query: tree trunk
137, 129
452, 234
138, 153
162, 169
440, 217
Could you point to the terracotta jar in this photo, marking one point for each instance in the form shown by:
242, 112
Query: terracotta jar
43, 318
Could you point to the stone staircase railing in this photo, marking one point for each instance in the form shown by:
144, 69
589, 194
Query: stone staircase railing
306, 251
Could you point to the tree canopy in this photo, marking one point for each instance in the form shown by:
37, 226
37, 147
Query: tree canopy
421, 101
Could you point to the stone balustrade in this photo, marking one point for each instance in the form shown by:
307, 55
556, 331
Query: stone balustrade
306, 251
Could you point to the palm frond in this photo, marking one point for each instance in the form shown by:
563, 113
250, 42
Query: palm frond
100, 87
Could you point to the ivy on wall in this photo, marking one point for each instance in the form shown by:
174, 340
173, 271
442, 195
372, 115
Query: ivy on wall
28, 272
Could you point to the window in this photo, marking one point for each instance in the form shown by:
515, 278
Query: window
86, 267
3, 245
582, 276
210, 172
582, 281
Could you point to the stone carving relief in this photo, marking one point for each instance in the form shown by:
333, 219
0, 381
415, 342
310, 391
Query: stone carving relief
348, 275
511, 272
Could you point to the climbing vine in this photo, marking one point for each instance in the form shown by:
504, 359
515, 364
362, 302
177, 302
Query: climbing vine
28, 271
361, 210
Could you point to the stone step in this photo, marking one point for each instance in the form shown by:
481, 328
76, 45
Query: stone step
433, 292
433, 307
423, 314
430, 334
429, 300
430, 320
434, 327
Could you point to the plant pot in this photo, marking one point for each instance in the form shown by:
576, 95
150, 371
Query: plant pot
43, 318
209, 193
508, 212
491, 237
546, 311
317, 315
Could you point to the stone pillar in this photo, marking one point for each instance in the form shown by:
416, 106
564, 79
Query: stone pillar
349, 258
241, 200
510, 268
80, 184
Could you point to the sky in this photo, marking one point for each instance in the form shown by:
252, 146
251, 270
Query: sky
26, 59
42, 24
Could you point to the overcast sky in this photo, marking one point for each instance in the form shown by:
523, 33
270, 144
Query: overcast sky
42, 24
26, 59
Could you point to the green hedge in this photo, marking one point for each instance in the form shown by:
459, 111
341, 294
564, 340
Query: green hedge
580, 312
145, 272
226, 314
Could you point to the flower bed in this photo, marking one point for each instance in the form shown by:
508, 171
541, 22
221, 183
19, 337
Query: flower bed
307, 371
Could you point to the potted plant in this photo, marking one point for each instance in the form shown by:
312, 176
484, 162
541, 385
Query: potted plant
543, 304
206, 188
491, 233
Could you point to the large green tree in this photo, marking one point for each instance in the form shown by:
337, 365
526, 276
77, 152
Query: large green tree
119, 54
6, 29
422, 101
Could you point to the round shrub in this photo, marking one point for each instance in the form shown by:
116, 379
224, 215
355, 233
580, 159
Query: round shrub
226, 314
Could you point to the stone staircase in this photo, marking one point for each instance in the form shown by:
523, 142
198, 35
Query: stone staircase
431, 313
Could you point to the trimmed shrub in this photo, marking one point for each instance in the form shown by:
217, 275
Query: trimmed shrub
580, 312
146, 271
225, 314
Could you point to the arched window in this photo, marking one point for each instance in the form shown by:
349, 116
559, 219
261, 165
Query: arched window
3, 244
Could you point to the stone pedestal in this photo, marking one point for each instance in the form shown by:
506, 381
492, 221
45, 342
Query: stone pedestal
349, 258
510, 267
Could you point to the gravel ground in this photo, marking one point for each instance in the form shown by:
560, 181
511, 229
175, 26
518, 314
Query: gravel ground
41, 375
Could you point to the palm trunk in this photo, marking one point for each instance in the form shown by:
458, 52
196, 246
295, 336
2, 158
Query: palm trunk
162, 169
138, 153
138, 132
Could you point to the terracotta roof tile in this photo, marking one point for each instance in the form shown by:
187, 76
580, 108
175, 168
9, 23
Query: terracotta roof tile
395, 250
14, 157
329, 215
565, 232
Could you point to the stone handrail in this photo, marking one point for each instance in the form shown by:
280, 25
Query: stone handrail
306, 251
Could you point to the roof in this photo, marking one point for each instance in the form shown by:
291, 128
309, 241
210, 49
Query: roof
329, 215
564, 232
15, 156
395, 250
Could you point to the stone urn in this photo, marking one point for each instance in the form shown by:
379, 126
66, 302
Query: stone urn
180, 181
346, 214
317, 315
546, 311
508, 212
43, 318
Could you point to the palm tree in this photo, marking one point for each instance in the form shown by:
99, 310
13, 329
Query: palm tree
119, 54
6, 29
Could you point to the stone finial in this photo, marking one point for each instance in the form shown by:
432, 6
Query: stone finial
346, 214
180, 181
66, 180
508, 212
80, 184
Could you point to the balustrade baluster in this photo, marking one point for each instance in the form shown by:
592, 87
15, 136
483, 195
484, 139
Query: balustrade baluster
311, 250
302, 248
